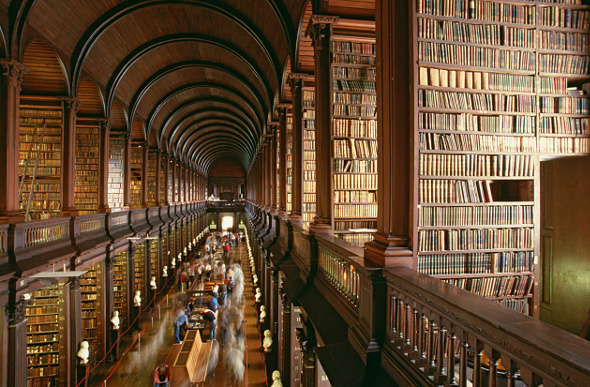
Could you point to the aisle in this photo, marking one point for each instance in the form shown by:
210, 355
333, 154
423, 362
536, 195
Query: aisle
137, 366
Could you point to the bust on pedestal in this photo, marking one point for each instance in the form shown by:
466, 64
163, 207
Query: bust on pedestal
83, 365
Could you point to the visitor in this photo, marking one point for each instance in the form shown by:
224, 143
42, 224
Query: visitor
162, 376
181, 320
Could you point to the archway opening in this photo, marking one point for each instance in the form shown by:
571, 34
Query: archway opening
227, 223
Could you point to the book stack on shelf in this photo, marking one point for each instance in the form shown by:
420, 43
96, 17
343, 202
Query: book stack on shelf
136, 175
172, 242
177, 182
91, 291
139, 270
151, 178
153, 258
354, 138
121, 287
165, 255
86, 180
40, 144
278, 163
116, 173
309, 169
45, 325
163, 184
500, 86
170, 184
289, 162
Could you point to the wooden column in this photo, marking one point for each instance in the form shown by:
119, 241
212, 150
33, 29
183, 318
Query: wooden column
296, 83
282, 162
17, 338
391, 244
103, 167
75, 325
68, 157
158, 180
109, 301
274, 206
267, 174
286, 371
144, 175
166, 179
173, 197
10, 86
308, 376
320, 31
127, 173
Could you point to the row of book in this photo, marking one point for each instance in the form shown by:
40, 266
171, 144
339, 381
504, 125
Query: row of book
355, 196
362, 73
353, 85
42, 338
518, 304
516, 286
564, 17
39, 326
308, 207
354, 110
564, 145
354, 166
471, 143
309, 175
357, 239
354, 148
565, 105
483, 34
39, 171
43, 348
355, 98
343, 181
481, 10
477, 123
473, 56
567, 41
309, 197
50, 139
358, 60
344, 127
455, 191
354, 47
27, 121
48, 157
346, 225
477, 101
41, 360
476, 263
309, 157
478, 165
355, 210
476, 80
475, 215
472, 239
37, 112
564, 64
45, 309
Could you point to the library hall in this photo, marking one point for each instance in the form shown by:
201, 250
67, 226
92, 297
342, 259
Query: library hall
302, 193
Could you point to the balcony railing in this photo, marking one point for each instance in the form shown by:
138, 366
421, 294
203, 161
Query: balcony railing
44, 231
340, 273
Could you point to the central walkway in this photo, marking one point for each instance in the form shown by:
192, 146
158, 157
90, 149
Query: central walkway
150, 348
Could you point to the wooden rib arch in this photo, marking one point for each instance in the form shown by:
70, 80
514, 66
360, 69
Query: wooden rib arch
144, 88
48, 75
119, 12
202, 145
91, 98
206, 128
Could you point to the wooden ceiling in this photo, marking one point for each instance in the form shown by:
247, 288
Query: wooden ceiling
198, 78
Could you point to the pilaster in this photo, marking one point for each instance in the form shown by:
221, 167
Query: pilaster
68, 162
103, 167
296, 84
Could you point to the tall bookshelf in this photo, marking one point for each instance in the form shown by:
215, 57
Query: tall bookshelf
278, 165
153, 258
86, 179
498, 88
139, 270
163, 185
92, 307
309, 166
121, 287
152, 178
289, 163
165, 255
170, 184
136, 175
46, 323
116, 173
172, 249
354, 138
40, 158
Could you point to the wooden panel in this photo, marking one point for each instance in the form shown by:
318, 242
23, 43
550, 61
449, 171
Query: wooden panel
226, 168
137, 129
89, 95
118, 117
47, 75
305, 61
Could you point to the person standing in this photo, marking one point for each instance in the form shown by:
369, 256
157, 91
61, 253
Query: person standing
210, 316
181, 319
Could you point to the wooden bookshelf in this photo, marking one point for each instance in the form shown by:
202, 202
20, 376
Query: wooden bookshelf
309, 159
92, 307
154, 251
46, 323
140, 270
170, 184
121, 287
116, 173
354, 135
40, 158
136, 175
151, 178
87, 160
165, 255
289, 150
498, 88
163, 185
278, 165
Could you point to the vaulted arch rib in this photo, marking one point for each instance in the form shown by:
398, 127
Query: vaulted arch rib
211, 113
145, 48
18, 14
115, 14
144, 88
211, 127
201, 146
196, 101
209, 122
206, 85
216, 153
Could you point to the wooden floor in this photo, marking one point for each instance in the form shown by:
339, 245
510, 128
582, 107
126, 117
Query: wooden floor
148, 349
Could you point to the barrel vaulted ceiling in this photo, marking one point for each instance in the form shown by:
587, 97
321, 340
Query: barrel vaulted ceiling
198, 79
